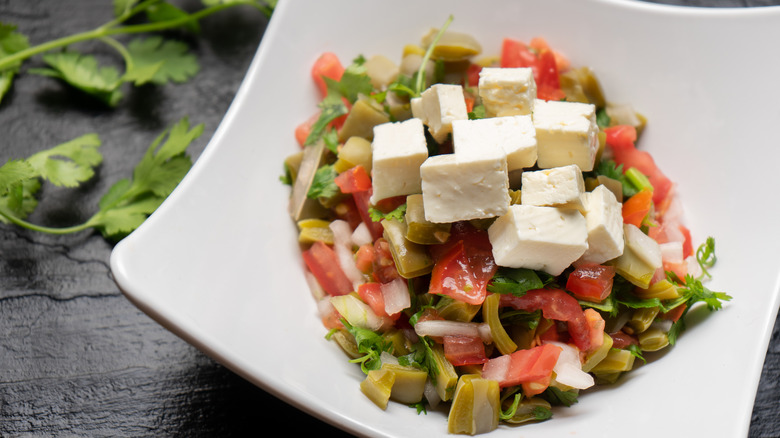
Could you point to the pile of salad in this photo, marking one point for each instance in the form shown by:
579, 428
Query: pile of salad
481, 233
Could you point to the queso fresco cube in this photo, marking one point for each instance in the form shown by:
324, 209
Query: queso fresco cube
556, 187
441, 104
465, 185
547, 239
566, 133
507, 91
397, 151
515, 135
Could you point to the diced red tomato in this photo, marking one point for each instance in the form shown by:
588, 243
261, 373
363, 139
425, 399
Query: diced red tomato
303, 130
472, 74
674, 314
464, 350
353, 180
384, 266
621, 340
637, 207
688, 243
534, 365
539, 44
323, 263
464, 265
596, 324
327, 65
555, 304
371, 294
548, 85
364, 258
621, 140
363, 203
591, 282
516, 54
543, 64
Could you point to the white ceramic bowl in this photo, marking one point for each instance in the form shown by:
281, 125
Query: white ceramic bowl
218, 263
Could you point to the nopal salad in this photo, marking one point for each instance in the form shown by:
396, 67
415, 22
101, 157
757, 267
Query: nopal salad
482, 234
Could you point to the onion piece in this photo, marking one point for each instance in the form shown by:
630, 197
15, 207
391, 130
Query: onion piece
568, 368
672, 252
396, 296
388, 358
342, 233
314, 286
431, 394
342, 245
434, 327
362, 235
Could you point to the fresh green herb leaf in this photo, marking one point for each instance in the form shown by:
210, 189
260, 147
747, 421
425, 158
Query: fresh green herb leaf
169, 60
613, 170
602, 118
331, 139
419, 85
164, 11
122, 7
11, 42
68, 164
323, 185
331, 108
83, 72
478, 112
517, 281
636, 351
398, 213
369, 343
557, 397
354, 82
705, 256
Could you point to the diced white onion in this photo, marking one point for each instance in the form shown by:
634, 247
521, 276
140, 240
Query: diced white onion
396, 296
325, 308
672, 252
342, 233
342, 245
568, 368
434, 327
693, 266
431, 394
362, 235
314, 286
388, 358
662, 324
348, 265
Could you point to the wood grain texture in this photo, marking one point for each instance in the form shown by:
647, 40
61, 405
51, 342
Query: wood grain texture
76, 358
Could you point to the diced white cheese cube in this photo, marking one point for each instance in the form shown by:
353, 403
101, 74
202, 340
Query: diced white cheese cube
465, 186
541, 238
397, 151
566, 133
515, 135
555, 187
442, 104
507, 91
417, 109
604, 218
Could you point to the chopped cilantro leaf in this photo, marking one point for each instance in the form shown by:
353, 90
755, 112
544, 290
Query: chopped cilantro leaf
323, 185
168, 59
82, 72
517, 281
397, 214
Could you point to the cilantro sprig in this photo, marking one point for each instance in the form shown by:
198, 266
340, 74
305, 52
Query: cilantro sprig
126, 204
151, 59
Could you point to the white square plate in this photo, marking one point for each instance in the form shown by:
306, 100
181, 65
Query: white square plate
218, 263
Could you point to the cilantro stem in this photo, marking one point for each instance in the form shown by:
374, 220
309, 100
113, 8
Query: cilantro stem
418, 86
30, 226
111, 28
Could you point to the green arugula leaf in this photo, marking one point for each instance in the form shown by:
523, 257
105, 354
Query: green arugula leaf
322, 185
83, 72
68, 164
170, 60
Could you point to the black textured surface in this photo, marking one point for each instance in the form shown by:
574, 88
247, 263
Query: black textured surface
76, 358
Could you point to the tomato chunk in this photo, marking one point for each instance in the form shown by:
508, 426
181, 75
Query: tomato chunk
328, 66
591, 282
464, 265
464, 350
323, 263
621, 140
558, 305
353, 180
384, 266
533, 366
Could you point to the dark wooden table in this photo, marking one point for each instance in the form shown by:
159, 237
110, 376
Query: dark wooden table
76, 358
